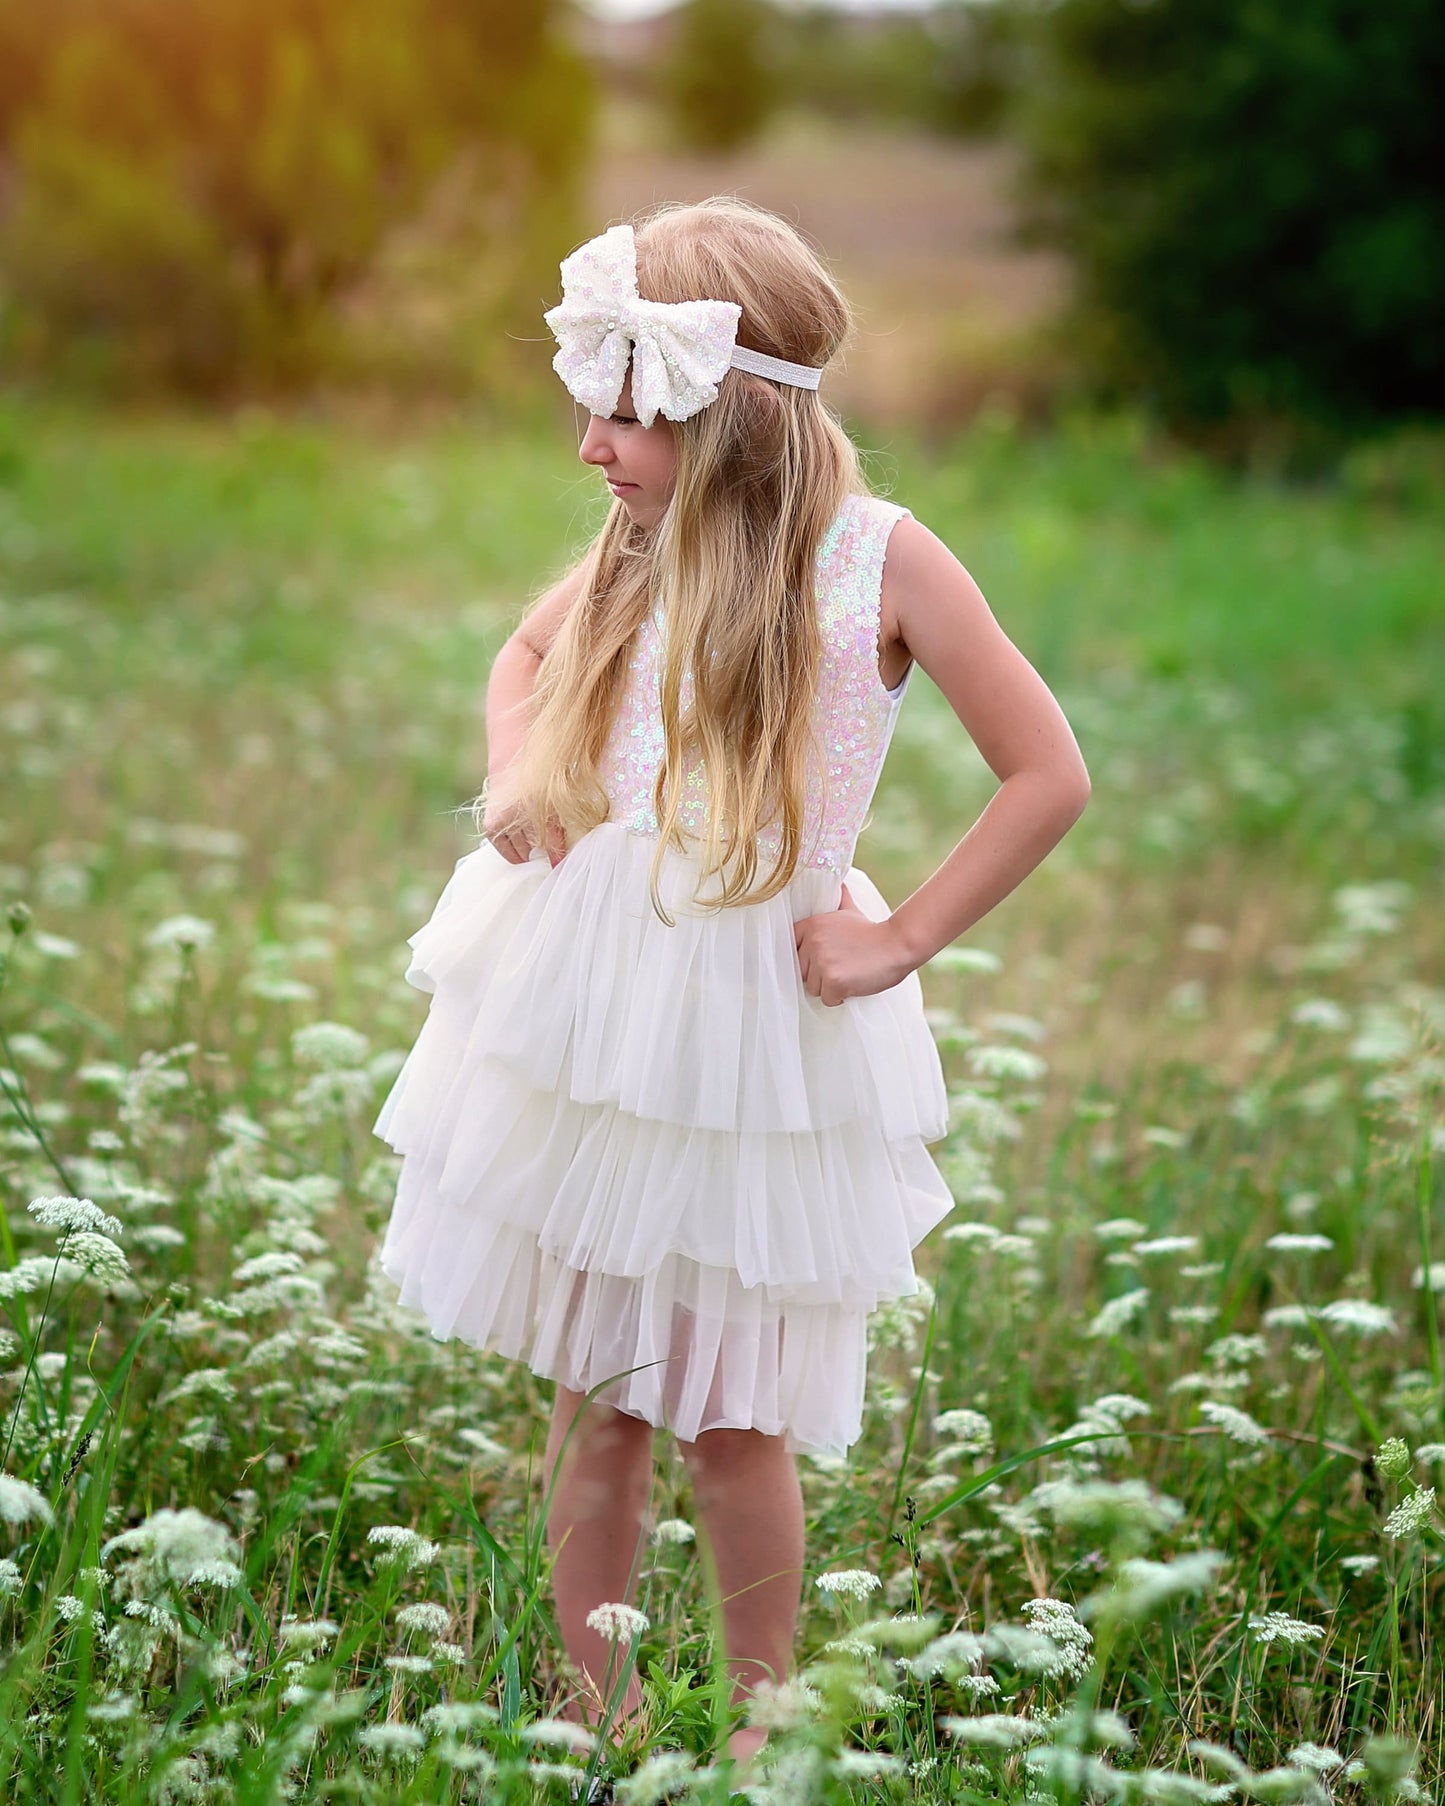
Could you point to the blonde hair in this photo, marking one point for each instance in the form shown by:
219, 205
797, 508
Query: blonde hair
762, 472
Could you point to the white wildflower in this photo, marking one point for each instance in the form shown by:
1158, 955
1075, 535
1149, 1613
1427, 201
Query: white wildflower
1006, 1062
1279, 1627
618, 1623
1318, 1758
779, 1706
1144, 1585
455, 1716
1118, 1229
852, 1583
98, 1257
1288, 1316
965, 959
971, 1232
673, 1530
659, 1777
1111, 1508
185, 1548
329, 1045
392, 1739
181, 931
1359, 1315
480, 1443
431, 1620
1320, 1012
559, 1733
969, 1432
1287, 1243
1359, 1564
69, 1215
404, 1547
1057, 1620
307, 1633
1237, 1425
994, 1730
948, 1655
271, 1265
1119, 1312
20, 1502
1171, 1787
1236, 1350
1437, 1277
409, 1664
1168, 1244
1411, 1515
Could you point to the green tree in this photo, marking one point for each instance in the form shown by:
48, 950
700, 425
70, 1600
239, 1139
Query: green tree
189, 192
719, 76
1251, 190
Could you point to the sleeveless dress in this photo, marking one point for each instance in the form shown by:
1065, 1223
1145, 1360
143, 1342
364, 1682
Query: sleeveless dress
633, 1146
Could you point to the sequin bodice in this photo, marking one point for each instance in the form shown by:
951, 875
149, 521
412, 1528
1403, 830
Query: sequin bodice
853, 714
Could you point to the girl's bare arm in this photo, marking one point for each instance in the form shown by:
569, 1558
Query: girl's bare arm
514, 671
1010, 714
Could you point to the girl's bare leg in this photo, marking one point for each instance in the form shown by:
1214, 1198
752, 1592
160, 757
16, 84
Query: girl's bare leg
745, 1485
594, 1530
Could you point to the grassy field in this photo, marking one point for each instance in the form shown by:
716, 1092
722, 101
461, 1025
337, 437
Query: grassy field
1176, 1364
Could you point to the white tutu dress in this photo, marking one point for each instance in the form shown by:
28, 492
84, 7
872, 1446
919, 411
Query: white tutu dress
633, 1146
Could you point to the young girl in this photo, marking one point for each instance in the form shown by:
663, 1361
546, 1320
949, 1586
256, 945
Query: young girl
666, 1124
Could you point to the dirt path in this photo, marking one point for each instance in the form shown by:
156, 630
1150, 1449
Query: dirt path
919, 230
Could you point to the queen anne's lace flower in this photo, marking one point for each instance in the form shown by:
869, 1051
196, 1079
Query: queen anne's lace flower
1411, 1515
618, 1623
851, 1583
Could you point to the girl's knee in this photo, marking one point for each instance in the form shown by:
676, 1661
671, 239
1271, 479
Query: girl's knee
727, 1451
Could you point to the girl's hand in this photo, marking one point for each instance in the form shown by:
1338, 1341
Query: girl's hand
845, 953
504, 825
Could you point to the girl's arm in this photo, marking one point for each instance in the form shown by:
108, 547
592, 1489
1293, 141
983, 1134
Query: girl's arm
509, 687
1010, 714
514, 671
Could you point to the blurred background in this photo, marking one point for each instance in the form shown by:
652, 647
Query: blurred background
1229, 211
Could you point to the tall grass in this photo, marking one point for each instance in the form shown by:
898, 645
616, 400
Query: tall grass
1142, 1508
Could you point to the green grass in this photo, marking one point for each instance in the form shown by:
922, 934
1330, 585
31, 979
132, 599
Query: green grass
242, 666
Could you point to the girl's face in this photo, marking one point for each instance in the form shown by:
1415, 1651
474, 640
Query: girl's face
639, 462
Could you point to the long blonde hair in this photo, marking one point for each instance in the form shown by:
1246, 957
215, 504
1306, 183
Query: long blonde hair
761, 474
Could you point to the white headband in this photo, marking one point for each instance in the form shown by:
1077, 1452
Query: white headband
679, 350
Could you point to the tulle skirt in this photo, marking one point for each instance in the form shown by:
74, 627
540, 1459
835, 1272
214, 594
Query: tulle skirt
647, 1154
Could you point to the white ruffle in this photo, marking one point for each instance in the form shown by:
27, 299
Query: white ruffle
628, 1143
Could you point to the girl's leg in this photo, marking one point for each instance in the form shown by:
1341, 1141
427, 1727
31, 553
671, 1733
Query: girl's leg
745, 1485
594, 1529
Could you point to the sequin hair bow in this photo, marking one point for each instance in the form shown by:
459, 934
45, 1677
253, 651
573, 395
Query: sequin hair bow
679, 350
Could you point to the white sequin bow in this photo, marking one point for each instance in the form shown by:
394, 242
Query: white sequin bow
680, 350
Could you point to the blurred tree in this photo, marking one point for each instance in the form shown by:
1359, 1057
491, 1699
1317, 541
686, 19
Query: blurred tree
948, 69
718, 79
1252, 191
187, 192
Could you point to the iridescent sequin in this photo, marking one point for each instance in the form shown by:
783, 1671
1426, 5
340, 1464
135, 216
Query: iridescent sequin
680, 350
853, 715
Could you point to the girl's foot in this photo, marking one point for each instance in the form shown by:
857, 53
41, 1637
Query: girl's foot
744, 1746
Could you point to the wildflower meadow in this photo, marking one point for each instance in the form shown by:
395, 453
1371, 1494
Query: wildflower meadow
1148, 1504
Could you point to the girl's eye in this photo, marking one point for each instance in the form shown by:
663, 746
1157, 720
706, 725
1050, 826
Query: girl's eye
624, 420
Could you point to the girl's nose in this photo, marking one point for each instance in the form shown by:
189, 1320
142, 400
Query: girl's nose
594, 448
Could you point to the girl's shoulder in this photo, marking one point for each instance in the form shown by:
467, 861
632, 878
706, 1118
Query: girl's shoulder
865, 522
863, 506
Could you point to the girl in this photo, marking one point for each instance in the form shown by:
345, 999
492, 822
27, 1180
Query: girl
666, 1124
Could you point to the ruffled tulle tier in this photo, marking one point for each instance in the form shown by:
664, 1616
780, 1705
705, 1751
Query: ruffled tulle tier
633, 1145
